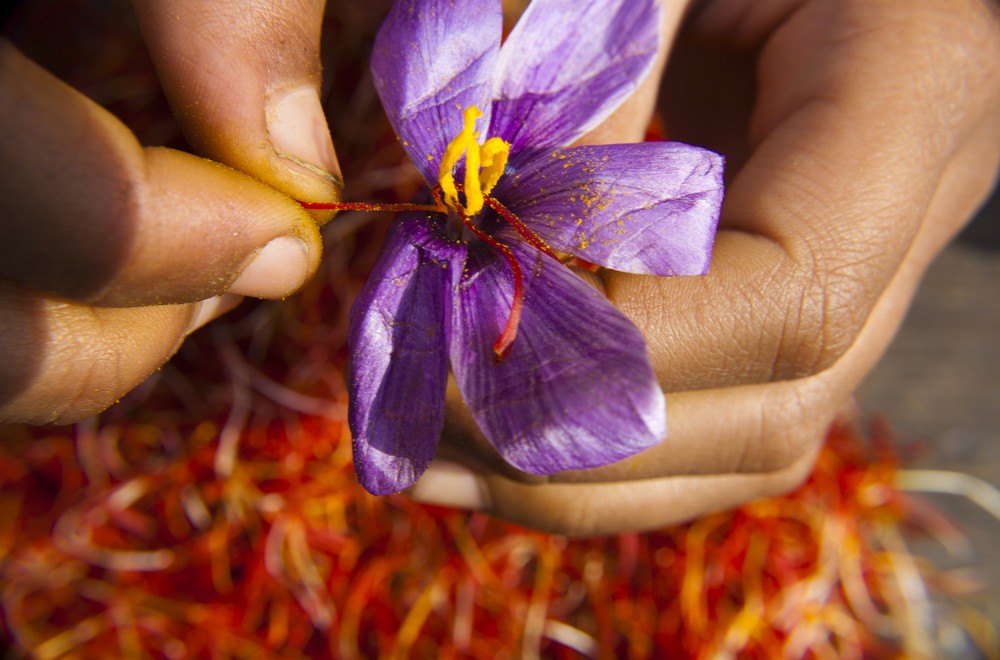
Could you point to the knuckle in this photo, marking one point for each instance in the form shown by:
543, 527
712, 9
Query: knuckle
85, 359
956, 52
574, 517
792, 426
85, 377
827, 302
788, 478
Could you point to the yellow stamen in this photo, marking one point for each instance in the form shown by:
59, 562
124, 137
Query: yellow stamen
484, 165
494, 157
453, 153
473, 191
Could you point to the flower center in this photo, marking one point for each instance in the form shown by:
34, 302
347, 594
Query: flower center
484, 165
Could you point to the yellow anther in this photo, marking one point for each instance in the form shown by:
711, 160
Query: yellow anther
483, 165
494, 160
473, 191
454, 152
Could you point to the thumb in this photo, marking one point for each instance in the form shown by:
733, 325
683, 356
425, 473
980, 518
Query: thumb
243, 79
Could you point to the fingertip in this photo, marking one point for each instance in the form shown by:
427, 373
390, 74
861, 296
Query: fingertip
207, 229
300, 137
294, 155
300, 160
274, 271
446, 483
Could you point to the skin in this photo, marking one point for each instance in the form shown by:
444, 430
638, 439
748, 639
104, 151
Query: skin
100, 283
868, 137
860, 136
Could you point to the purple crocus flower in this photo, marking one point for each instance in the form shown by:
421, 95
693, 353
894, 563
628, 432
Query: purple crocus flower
555, 376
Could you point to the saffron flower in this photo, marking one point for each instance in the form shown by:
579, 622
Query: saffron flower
556, 377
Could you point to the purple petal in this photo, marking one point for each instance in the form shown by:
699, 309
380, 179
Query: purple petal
399, 364
431, 60
576, 391
567, 65
651, 207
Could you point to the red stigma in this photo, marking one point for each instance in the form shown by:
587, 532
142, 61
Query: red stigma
365, 206
530, 237
506, 339
504, 342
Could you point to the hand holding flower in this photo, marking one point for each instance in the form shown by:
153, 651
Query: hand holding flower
108, 249
859, 137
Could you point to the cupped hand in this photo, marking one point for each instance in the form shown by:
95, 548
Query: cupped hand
860, 136
111, 252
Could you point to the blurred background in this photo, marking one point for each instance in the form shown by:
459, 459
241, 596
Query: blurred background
938, 387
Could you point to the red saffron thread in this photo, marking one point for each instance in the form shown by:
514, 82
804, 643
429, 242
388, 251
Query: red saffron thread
504, 342
529, 236
365, 206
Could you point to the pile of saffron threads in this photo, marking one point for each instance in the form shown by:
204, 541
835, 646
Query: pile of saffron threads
244, 534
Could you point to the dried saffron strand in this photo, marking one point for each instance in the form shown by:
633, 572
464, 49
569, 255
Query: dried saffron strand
417, 616
547, 554
519, 560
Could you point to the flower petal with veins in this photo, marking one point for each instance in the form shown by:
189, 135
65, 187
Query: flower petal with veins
576, 391
567, 65
399, 363
649, 208
429, 58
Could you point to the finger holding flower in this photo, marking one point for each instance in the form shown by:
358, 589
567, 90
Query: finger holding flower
111, 251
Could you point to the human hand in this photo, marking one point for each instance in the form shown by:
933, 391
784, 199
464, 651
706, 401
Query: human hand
111, 253
860, 136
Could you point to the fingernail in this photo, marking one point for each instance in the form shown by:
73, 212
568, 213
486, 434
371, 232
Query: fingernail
212, 308
277, 270
450, 484
299, 133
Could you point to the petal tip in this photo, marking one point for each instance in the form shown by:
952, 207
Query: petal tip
380, 474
